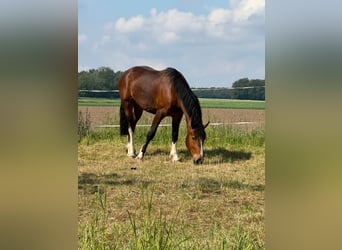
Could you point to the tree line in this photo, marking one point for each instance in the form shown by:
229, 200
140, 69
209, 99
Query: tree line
105, 79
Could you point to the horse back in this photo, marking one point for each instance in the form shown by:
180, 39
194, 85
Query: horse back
149, 88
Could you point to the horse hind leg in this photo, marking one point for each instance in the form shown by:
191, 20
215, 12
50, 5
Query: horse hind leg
123, 121
137, 114
134, 116
127, 126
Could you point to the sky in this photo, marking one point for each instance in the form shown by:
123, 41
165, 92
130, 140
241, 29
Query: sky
213, 43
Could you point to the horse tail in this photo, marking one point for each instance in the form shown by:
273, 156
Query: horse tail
123, 122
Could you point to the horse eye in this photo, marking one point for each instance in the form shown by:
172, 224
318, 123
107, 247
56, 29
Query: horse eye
193, 137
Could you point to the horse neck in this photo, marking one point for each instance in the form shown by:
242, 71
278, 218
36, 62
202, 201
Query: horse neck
187, 117
192, 103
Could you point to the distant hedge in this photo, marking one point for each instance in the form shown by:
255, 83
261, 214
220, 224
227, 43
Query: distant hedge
105, 79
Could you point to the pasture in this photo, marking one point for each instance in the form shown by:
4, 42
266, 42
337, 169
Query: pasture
155, 204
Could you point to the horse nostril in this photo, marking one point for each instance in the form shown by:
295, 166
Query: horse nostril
198, 161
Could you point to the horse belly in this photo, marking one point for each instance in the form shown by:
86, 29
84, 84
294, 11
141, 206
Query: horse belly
152, 96
145, 100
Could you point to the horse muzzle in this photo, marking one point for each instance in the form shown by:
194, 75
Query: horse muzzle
197, 161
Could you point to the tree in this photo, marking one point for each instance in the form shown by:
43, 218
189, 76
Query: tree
86, 80
103, 78
248, 89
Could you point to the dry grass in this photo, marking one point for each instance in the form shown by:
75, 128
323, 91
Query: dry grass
208, 206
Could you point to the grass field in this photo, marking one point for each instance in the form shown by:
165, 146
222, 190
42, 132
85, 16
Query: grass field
231, 104
98, 102
205, 103
155, 204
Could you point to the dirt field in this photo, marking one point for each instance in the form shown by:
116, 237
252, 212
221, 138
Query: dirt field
236, 117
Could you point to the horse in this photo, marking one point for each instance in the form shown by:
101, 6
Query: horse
163, 93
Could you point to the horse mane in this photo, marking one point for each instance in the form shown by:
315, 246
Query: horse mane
189, 99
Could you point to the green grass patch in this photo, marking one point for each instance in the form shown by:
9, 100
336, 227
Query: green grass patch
223, 136
205, 103
231, 104
85, 101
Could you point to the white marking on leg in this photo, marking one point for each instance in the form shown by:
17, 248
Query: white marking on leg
140, 156
173, 153
130, 143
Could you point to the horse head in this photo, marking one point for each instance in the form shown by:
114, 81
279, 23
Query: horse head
194, 141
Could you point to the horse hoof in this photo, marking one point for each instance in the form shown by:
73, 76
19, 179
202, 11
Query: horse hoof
138, 159
174, 158
140, 156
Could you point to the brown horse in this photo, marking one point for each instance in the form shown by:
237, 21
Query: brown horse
163, 93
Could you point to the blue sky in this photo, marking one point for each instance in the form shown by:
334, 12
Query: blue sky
213, 43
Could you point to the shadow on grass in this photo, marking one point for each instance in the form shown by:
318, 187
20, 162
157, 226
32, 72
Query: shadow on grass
223, 155
92, 183
214, 155
210, 185
219, 155
239, 185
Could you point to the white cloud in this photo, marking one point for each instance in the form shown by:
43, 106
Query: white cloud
130, 25
218, 44
168, 37
164, 27
246, 8
175, 26
178, 21
219, 16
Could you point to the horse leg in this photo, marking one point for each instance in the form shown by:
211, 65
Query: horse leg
175, 129
130, 143
137, 114
151, 133
128, 110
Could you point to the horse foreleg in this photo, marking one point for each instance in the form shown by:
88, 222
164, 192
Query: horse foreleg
173, 153
175, 128
151, 133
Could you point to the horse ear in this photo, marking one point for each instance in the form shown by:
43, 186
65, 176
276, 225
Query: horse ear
206, 125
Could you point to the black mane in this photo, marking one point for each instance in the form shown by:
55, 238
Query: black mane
189, 99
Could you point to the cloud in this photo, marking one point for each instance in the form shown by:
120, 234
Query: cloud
246, 8
164, 27
225, 43
175, 26
130, 25
219, 16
